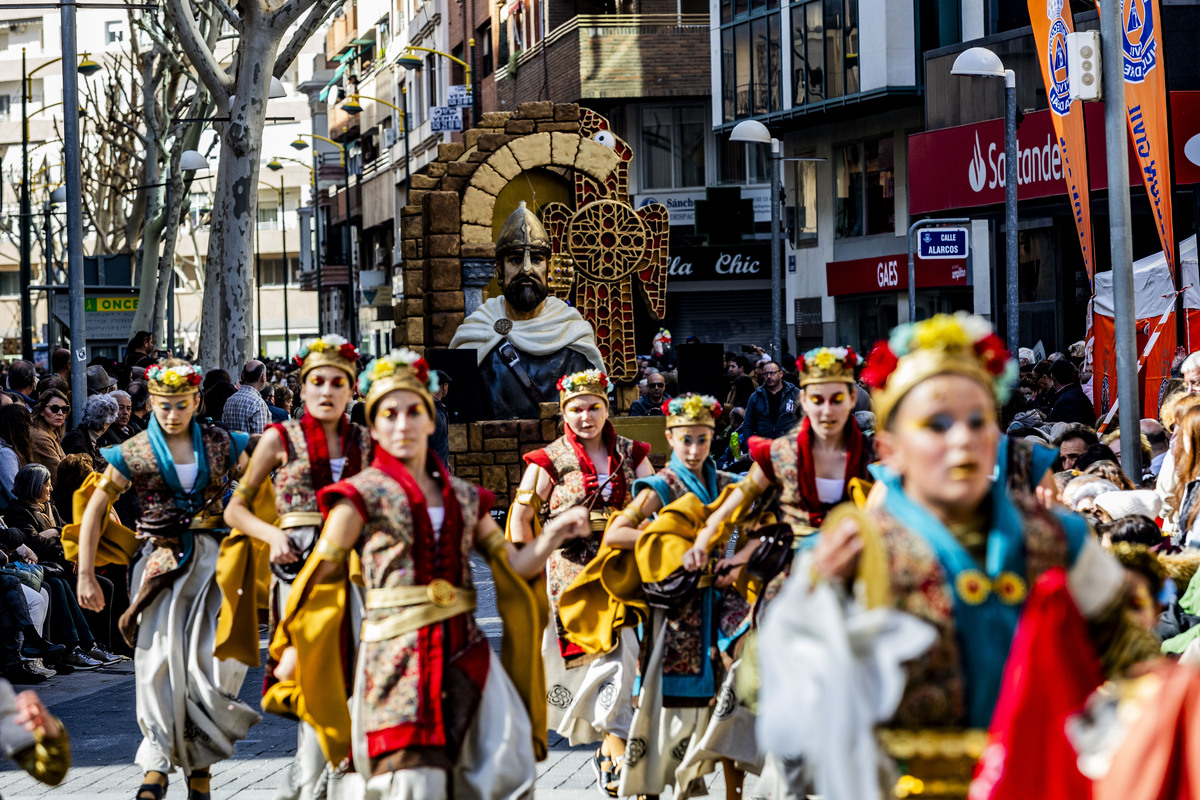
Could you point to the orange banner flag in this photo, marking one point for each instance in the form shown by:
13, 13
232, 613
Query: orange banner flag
1052, 21
1146, 108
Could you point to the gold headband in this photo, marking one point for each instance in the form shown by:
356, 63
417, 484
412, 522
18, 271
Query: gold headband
400, 369
692, 409
827, 365
589, 382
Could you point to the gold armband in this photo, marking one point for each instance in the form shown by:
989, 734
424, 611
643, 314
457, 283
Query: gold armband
751, 491
530, 498
246, 492
326, 550
49, 758
632, 514
109, 487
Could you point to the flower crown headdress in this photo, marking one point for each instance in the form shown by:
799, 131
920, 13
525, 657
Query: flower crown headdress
589, 381
175, 379
692, 409
329, 350
961, 344
827, 365
399, 369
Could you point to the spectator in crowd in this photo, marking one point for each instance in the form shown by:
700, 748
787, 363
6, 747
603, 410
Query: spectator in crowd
741, 385
99, 413
1114, 440
18, 635
60, 365
1109, 470
212, 404
213, 377
1045, 387
1156, 436
139, 397
1168, 486
121, 429
99, 381
139, 347
1081, 493
49, 424
246, 411
51, 382
771, 411
1189, 370
1133, 528
1070, 403
268, 396
1072, 443
651, 404
1112, 506
72, 471
285, 399
16, 444
22, 378
439, 441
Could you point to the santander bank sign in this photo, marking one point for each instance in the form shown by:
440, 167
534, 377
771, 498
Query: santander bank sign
1034, 164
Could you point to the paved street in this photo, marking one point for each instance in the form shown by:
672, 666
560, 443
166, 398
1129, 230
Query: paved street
98, 709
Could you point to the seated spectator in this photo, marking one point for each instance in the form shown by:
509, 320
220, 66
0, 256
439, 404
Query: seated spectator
212, 404
1134, 528
16, 444
1080, 494
99, 412
1112, 506
22, 378
1111, 471
1070, 403
1146, 576
651, 404
139, 398
49, 423
32, 513
72, 471
121, 429
1156, 436
1072, 443
1094, 453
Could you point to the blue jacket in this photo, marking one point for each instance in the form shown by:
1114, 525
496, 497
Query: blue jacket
758, 422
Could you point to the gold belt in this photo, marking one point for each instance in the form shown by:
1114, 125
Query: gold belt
598, 520
207, 522
301, 519
935, 764
419, 606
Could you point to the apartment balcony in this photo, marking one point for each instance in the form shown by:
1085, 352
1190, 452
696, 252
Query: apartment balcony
331, 275
342, 124
342, 31
614, 56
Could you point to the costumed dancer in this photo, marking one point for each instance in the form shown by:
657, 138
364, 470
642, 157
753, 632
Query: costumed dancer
814, 467
433, 713
301, 457
187, 703
691, 645
944, 563
589, 466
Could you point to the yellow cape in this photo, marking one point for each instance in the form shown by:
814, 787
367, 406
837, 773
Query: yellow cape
117, 544
608, 593
312, 624
244, 576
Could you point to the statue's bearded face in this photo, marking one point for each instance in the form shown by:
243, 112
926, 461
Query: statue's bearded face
524, 274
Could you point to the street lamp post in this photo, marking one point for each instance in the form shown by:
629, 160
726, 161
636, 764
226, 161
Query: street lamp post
983, 63
415, 62
754, 132
352, 106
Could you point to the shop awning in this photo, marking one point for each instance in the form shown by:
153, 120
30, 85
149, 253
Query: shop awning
337, 76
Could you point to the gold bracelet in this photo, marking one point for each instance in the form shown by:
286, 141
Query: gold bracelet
632, 514
326, 550
109, 487
247, 492
751, 491
530, 498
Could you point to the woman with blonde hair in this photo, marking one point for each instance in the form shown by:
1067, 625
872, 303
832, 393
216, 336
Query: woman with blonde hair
1168, 486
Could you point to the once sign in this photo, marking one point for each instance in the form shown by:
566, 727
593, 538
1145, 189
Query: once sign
943, 243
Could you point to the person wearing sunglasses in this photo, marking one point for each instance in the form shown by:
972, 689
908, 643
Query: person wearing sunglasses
300, 458
50, 415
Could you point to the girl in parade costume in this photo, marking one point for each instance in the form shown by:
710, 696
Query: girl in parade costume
589, 466
813, 467
681, 678
945, 562
433, 714
187, 702
301, 457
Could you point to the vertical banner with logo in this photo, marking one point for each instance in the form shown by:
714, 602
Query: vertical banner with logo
1146, 106
1052, 21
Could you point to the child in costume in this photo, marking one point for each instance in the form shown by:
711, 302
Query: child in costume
593, 468
944, 565
675, 737
187, 703
433, 714
302, 457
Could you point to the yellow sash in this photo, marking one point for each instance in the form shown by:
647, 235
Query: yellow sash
117, 544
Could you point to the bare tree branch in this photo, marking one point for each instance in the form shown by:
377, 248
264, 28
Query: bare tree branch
320, 11
192, 40
227, 12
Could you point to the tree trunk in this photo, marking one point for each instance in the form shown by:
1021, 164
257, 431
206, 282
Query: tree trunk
227, 327
143, 318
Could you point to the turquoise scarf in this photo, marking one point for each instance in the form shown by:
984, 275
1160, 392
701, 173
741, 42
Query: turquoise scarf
193, 501
707, 491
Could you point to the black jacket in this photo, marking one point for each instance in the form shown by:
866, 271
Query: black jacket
1072, 405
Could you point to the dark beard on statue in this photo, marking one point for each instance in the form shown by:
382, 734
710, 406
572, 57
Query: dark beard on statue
525, 294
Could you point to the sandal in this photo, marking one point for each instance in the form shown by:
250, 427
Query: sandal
605, 770
614, 784
193, 794
151, 791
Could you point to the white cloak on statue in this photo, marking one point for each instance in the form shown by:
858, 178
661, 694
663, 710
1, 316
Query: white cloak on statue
558, 326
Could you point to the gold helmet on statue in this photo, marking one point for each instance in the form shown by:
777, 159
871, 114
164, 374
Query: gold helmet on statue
522, 231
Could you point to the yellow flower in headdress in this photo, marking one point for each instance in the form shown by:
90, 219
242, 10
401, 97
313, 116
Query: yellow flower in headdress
693, 405
382, 368
824, 359
941, 331
172, 378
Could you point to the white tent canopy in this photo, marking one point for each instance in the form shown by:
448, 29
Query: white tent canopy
1152, 284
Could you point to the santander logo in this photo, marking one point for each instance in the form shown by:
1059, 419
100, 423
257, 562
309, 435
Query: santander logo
977, 171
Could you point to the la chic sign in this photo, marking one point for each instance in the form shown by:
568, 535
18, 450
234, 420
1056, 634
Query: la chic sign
743, 262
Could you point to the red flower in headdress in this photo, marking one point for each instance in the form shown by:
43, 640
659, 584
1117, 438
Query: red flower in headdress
348, 351
299, 361
421, 369
665, 408
881, 363
851, 359
800, 364
994, 354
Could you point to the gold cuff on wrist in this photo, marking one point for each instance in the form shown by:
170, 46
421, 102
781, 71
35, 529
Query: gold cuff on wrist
246, 492
109, 487
632, 514
326, 550
530, 498
751, 491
